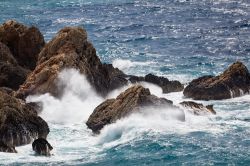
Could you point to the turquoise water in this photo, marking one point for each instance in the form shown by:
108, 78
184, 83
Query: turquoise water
180, 39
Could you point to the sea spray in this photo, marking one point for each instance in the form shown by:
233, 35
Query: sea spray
126, 65
77, 102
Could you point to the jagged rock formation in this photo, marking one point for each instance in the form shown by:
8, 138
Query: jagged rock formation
24, 42
197, 108
233, 82
70, 49
132, 100
19, 49
166, 85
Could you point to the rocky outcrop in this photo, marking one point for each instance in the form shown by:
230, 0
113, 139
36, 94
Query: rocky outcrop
233, 82
24, 42
19, 123
70, 49
6, 148
42, 147
166, 85
132, 100
197, 108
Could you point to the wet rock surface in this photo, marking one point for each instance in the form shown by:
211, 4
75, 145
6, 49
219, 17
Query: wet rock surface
6, 148
42, 147
233, 82
19, 122
197, 108
129, 101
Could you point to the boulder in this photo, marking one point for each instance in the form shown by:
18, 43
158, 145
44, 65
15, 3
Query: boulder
129, 101
19, 122
42, 147
233, 82
197, 108
6, 148
24, 42
166, 85
70, 49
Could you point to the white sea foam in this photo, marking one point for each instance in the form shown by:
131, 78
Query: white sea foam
71, 139
124, 64
76, 104
66, 114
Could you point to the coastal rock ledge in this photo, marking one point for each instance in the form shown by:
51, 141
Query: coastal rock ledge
233, 82
129, 101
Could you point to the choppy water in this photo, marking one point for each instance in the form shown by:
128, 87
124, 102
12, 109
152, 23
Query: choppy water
180, 39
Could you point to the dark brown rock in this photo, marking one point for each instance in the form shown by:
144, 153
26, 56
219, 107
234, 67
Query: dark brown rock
6, 148
116, 77
19, 123
12, 76
6, 55
70, 49
197, 108
24, 42
42, 147
132, 100
7, 90
233, 82
166, 85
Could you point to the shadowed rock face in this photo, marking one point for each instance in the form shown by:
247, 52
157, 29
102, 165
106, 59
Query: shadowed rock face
42, 147
166, 85
19, 123
70, 49
11, 74
233, 82
6, 148
24, 42
132, 100
197, 108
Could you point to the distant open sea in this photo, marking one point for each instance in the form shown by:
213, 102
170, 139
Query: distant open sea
178, 39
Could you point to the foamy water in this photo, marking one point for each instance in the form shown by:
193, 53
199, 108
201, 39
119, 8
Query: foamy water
178, 39
74, 143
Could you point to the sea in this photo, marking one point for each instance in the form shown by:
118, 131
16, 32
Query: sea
178, 39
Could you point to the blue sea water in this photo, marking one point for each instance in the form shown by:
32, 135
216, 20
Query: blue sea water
179, 39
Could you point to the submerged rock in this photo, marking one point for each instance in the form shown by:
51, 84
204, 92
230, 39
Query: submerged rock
24, 42
233, 82
197, 108
42, 147
19, 122
131, 100
6, 148
166, 85
70, 49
